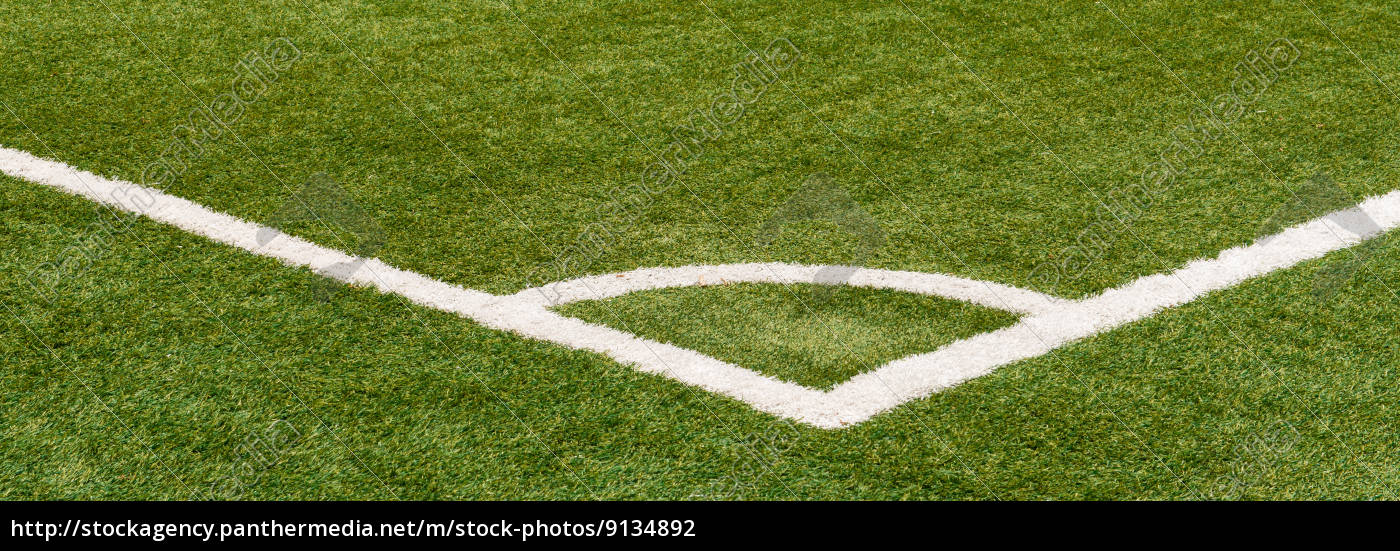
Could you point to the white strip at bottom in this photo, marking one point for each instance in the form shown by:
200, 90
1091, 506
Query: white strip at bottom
1048, 322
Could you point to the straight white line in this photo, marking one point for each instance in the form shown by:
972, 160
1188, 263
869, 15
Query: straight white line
918, 376
239, 233
1049, 322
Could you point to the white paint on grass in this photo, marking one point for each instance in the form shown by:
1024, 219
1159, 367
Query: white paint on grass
1047, 322
983, 293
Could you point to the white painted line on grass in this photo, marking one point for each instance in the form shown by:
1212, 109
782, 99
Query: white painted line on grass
1048, 322
229, 230
983, 293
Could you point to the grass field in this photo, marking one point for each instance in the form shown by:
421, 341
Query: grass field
499, 146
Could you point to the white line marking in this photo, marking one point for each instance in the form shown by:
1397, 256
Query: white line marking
1049, 322
983, 293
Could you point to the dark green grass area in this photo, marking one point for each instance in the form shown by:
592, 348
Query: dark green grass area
472, 152
484, 156
811, 335
147, 374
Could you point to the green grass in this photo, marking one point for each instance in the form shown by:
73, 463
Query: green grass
479, 155
958, 183
810, 335
196, 346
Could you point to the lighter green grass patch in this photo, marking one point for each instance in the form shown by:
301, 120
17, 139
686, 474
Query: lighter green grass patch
807, 334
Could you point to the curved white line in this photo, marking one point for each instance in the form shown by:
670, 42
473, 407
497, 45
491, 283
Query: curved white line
1049, 322
984, 293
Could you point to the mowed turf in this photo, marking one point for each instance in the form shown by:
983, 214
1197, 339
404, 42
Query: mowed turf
147, 375
479, 154
485, 156
816, 336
